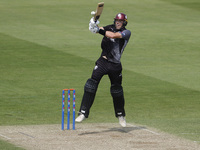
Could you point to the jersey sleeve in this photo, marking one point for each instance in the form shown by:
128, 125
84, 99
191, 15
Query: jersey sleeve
126, 34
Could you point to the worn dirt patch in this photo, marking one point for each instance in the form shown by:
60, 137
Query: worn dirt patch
93, 137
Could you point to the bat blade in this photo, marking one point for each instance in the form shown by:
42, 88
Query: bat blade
98, 11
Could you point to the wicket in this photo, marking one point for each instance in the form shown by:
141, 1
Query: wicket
68, 108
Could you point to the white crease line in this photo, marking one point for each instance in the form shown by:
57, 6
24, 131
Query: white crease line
152, 131
5, 137
144, 129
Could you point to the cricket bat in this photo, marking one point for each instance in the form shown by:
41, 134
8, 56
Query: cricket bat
98, 11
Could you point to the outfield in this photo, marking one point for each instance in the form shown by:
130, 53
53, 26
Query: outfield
46, 46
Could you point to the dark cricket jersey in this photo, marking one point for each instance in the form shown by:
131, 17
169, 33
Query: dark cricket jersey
113, 48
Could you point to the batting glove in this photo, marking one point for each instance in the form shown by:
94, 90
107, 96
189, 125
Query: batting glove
93, 23
94, 29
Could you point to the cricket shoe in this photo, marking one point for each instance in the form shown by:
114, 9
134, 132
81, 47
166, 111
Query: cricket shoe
122, 121
80, 118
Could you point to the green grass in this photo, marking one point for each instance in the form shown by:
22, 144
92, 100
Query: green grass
8, 146
46, 46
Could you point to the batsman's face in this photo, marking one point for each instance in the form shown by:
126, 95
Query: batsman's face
118, 23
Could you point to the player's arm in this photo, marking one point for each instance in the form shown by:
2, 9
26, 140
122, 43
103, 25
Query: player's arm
109, 34
113, 35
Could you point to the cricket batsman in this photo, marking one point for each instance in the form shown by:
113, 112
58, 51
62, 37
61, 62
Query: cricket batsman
115, 39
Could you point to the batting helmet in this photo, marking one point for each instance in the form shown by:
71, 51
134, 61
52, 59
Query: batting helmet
123, 17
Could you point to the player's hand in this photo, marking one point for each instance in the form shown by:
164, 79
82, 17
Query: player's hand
94, 29
93, 23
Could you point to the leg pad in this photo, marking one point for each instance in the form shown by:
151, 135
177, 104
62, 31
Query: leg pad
91, 86
116, 91
118, 100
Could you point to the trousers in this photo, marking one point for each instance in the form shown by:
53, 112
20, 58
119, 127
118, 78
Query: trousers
114, 72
